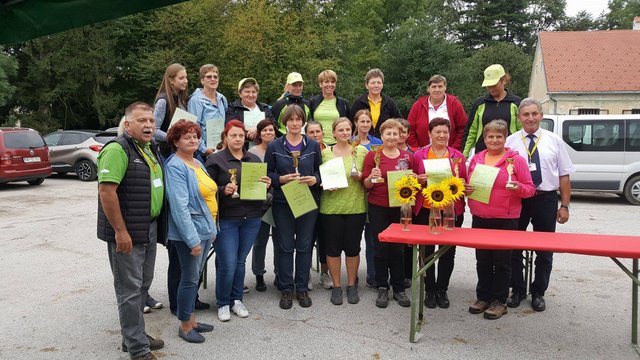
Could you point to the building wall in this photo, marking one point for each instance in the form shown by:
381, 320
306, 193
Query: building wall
538, 82
561, 104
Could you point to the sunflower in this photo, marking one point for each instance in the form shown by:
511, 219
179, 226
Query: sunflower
456, 185
406, 189
437, 195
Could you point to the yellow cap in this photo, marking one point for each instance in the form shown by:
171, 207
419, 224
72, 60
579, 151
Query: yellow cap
246, 80
492, 75
294, 77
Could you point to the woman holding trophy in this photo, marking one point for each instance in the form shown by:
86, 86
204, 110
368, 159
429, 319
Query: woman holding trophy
239, 219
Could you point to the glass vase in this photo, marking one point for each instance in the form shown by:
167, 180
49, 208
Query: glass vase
405, 216
435, 220
448, 217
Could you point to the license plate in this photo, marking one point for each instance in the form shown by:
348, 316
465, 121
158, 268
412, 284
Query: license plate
31, 159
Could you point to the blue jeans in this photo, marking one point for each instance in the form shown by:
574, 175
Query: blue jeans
233, 244
191, 267
294, 235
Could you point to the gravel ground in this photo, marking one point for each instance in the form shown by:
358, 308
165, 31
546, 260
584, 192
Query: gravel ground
58, 300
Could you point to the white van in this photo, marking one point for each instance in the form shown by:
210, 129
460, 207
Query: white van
605, 150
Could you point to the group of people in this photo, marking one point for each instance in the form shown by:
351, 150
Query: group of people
164, 181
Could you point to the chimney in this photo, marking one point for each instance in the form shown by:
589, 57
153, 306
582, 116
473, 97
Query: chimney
636, 23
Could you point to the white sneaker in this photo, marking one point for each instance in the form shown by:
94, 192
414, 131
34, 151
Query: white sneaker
239, 309
325, 281
223, 313
146, 310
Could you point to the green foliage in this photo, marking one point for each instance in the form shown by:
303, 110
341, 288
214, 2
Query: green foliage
582, 21
8, 70
621, 14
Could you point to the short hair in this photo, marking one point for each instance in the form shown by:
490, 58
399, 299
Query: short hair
290, 110
339, 121
403, 122
439, 122
373, 73
312, 123
436, 79
327, 75
497, 125
204, 69
137, 105
528, 102
263, 124
390, 123
180, 128
231, 124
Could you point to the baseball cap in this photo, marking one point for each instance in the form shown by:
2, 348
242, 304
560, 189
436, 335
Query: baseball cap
294, 77
492, 75
244, 81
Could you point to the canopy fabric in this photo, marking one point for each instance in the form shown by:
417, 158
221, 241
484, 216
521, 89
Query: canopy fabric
22, 20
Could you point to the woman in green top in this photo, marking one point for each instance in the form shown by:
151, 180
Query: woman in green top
326, 108
343, 212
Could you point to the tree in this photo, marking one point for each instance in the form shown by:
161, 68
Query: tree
582, 21
621, 14
8, 70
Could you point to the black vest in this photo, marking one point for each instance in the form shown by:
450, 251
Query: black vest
134, 194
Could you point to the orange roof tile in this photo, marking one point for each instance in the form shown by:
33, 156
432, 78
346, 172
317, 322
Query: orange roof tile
591, 61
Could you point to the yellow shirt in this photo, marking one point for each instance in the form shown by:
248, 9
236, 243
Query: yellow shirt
374, 107
208, 189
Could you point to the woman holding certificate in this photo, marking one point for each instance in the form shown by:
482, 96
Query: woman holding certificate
171, 95
292, 164
343, 211
433, 163
498, 179
240, 215
247, 109
388, 257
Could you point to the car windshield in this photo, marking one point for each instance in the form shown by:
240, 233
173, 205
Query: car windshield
23, 140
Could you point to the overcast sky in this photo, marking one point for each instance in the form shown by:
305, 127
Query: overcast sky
595, 7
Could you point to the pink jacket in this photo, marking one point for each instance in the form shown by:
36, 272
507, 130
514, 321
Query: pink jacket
503, 203
418, 168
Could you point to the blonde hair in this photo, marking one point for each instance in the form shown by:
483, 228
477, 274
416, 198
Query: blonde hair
327, 75
390, 123
497, 125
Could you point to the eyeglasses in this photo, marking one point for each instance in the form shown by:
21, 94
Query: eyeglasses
209, 77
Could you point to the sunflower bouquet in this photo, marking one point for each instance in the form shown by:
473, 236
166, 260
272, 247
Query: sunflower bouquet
406, 189
438, 195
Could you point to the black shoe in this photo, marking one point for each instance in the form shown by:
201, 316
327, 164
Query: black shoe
402, 299
303, 299
260, 285
153, 344
430, 300
442, 299
515, 299
199, 305
383, 298
286, 300
407, 283
537, 302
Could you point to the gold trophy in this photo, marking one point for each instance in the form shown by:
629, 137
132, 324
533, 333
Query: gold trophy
510, 184
234, 181
354, 152
295, 155
376, 159
456, 162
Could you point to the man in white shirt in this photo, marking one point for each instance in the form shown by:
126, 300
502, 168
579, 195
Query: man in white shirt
550, 167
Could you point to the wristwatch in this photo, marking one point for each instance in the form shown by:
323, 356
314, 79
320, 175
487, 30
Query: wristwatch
565, 206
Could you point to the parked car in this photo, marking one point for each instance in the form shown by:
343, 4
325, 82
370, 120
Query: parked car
77, 151
24, 156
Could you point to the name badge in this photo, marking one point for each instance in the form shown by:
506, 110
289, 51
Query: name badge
157, 183
532, 167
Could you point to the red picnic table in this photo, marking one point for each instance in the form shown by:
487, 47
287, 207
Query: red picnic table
612, 246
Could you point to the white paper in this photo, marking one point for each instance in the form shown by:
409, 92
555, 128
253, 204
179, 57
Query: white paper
437, 170
180, 114
333, 174
214, 129
252, 118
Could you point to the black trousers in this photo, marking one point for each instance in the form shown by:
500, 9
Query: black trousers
445, 263
540, 211
389, 257
493, 266
174, 271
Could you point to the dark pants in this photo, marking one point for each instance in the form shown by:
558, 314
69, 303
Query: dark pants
493, 266
369, 251
174, 273
445, 263
259, 251
318, 239
389, 257
540, 211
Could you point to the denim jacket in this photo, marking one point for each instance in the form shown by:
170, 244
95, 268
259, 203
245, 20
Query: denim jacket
190, 220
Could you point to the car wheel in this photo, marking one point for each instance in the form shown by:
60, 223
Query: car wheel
86, 170
36, 181
632, 190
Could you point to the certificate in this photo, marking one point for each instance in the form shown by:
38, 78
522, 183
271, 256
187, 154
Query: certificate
180, 114
251, 188
299, 198
214, 129
392, 177
252, 118
437, 170
482, 180
333, 174
268, 218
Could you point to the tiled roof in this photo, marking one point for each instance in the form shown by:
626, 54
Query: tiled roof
591, 61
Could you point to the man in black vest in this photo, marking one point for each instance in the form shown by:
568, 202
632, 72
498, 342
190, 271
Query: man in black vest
131, 194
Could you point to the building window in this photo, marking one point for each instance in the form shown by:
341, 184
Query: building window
635, 111
588, 111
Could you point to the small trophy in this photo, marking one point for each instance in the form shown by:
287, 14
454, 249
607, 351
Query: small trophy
376, 160
234, 181
295, 155
510, 184
456, 162
354, 152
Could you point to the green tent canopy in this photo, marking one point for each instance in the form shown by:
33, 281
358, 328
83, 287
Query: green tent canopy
22, 20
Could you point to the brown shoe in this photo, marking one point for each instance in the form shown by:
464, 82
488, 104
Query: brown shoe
147, 356
478, 306
303, 299
495, 310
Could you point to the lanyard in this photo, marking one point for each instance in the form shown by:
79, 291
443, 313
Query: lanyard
535, 146
149, 158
